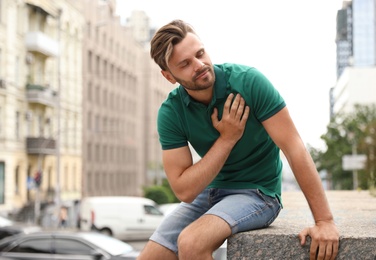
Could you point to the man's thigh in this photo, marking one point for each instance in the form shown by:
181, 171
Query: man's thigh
244, 209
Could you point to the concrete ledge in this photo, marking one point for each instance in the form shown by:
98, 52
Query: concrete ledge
354, 213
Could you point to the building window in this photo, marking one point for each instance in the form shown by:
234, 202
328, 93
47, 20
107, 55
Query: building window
1, 121
17, 125
2, 182
0, 49
49, 182
89, 121
89, 155
16, 70
89, 92
88, 28
90, 61
17, 180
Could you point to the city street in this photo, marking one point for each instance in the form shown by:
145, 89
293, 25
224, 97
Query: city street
138, 245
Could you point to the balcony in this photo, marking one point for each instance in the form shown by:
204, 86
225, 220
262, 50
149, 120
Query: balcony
40, 145
40, 42
39, 94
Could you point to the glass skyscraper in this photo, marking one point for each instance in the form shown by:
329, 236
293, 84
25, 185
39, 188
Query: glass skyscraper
356, 35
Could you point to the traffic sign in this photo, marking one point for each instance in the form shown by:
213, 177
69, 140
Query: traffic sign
354, 162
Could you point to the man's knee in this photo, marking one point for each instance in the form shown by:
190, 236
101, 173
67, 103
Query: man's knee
190, 244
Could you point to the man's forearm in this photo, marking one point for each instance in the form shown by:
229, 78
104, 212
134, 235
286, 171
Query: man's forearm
310, 183
198, 176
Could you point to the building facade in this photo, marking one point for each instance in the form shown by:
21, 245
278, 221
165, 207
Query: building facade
40, 71
356, 56
356, 35
79, 96
355, 86
114, 105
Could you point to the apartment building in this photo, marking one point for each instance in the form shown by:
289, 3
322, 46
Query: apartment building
79, 97
157, 89
114, 105
40, 100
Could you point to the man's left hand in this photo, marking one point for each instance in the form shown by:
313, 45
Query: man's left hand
324, 240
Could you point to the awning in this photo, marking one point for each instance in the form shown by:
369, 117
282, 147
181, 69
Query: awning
45, 5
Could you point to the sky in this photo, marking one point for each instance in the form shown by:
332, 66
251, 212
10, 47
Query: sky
292, 42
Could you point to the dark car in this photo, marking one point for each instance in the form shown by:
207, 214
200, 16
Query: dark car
64, 245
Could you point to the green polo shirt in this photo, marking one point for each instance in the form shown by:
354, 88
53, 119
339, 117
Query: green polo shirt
254, 162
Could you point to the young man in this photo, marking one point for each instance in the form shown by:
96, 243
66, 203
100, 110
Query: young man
237, 122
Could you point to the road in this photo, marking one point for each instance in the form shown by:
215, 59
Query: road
138, 245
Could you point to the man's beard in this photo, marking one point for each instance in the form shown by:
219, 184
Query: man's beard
200, 84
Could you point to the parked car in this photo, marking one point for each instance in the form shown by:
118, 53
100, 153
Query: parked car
5, 221
9, 228
18, 228
123, 217
64, 245
167, 208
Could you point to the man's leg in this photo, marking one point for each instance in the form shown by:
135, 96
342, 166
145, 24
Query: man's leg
163, 243
234, 211
201, 238
155, 251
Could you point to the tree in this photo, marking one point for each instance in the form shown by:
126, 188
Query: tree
356, 129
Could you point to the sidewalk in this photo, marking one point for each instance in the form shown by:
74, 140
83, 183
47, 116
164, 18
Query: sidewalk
354, 213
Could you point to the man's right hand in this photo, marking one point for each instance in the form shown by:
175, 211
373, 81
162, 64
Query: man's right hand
235, 114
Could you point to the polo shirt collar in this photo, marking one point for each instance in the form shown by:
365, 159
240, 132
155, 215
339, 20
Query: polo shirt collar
220, 86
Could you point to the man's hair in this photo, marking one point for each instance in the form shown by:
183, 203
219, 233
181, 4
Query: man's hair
165, 39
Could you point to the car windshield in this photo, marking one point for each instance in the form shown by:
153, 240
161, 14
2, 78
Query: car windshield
109, 244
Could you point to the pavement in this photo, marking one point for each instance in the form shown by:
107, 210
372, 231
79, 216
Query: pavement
354, 213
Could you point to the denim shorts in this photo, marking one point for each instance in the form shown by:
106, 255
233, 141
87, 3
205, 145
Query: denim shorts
242, 209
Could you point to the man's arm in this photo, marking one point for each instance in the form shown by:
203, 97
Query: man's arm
187, 180
324, 234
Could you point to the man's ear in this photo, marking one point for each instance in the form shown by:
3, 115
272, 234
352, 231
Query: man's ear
168, 76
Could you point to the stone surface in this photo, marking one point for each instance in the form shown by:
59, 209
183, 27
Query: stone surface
354, 213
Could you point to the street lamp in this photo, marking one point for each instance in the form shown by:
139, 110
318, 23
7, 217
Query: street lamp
354, 153
371, 158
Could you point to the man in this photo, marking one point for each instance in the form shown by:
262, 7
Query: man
237, 122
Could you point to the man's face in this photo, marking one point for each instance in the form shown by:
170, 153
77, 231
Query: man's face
190, 65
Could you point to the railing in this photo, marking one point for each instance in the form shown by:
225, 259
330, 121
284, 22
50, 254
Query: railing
40, 145
41, 95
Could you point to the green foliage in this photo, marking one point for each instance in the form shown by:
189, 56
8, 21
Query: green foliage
157, 193
173, 198
358, 130
161, 194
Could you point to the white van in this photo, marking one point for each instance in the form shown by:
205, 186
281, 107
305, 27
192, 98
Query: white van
125, 218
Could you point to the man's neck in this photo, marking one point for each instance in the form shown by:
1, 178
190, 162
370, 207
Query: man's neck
202, 96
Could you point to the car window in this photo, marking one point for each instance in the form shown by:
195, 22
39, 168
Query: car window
70, 246
33, 246
151, 210
109, 244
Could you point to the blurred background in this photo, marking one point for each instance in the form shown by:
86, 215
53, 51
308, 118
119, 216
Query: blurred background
79, 93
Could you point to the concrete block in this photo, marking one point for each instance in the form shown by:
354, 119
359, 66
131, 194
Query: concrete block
354, 213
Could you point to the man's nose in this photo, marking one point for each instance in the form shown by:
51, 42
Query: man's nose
198, 65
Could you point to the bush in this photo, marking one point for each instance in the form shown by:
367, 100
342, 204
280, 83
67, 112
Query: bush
159, 194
